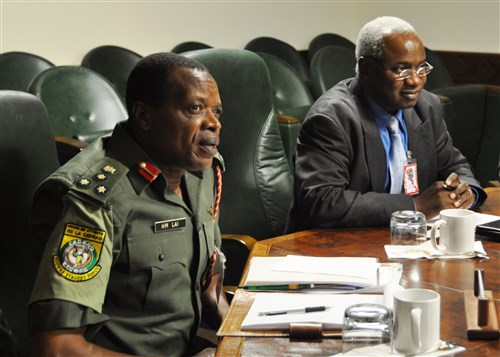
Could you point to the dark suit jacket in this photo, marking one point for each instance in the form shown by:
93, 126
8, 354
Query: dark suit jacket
340, 165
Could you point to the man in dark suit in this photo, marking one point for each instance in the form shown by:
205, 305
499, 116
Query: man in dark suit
346, 170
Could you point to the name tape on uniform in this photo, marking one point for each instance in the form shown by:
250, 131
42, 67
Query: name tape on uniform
170, 225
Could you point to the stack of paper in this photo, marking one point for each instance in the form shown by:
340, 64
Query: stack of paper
329, 277
342, 274
331, 318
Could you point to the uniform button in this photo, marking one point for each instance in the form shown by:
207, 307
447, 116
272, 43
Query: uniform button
197, 286
161, 257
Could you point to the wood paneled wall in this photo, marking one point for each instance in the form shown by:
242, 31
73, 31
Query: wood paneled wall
466, 67
472, 67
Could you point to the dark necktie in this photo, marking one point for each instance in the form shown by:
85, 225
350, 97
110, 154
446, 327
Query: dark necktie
397, 156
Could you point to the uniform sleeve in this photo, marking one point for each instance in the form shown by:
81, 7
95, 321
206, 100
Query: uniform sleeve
76, 262
48, 315
75, 266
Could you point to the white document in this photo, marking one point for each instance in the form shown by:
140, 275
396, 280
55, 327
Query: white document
481, 218
331, 318
341, 273
426, 250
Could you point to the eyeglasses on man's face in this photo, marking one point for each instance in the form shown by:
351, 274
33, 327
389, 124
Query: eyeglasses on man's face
402, 73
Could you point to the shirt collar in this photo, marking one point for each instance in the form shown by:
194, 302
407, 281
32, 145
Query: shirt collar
382, 117
126, 150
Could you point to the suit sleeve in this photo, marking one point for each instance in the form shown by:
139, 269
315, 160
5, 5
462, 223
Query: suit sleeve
450, 159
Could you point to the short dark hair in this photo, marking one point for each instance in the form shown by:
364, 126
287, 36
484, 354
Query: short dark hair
148, 81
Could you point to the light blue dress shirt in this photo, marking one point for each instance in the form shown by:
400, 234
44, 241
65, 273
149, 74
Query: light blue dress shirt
382, 119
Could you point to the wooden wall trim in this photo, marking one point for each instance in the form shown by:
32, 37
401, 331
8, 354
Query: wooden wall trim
465, 67
472, 67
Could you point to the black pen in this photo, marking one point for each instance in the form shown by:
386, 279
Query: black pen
294, 311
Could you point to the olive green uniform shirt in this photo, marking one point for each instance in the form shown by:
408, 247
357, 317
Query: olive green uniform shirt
124, 256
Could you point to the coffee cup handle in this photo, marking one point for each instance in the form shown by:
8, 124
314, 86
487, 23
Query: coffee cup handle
434, 229
416, 341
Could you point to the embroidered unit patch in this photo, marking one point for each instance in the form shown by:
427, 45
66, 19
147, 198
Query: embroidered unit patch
79, 253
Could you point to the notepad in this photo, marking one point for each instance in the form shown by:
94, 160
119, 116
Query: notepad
331, 318
333, 273
489, 228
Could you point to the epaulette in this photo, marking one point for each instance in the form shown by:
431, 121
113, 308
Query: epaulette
98, 181
220, 160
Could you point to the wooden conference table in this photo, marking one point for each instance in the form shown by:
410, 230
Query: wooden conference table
448, 277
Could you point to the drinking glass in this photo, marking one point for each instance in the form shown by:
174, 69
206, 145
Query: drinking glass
365, 325
408, 228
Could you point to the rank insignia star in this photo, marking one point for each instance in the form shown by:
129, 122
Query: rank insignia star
100, 177
109, 169
84, 182
101, 190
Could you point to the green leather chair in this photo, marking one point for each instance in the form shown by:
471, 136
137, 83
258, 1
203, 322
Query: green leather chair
17, 69
291, 99
290, 95
472, 117
114, 63
439, 77
27, 156
282, 50
81, 103
257, 183
474, 125
487, 163
189, 46
330, 65
328, 39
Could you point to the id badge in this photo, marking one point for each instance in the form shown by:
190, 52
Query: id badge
410, 176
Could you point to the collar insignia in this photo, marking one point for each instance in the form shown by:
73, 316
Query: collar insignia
148, 171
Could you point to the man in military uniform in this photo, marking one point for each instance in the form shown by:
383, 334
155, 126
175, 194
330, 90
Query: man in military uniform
129, 225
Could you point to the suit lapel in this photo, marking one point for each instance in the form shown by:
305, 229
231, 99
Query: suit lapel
374, 149
421, 142
412, 122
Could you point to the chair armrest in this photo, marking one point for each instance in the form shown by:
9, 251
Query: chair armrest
244, 240
71, 142
236, 248
89, 137
289, 130
490, 88
68, 147
287, 119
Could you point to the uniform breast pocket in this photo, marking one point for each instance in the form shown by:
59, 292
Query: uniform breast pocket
208, 231
158, 270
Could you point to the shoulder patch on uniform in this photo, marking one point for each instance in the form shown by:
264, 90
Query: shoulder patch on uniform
79, 253
98, 181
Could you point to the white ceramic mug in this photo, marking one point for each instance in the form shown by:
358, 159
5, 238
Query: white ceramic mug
416, 321
457, 231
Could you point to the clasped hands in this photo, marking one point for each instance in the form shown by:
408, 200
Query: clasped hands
459, 191
451, 193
